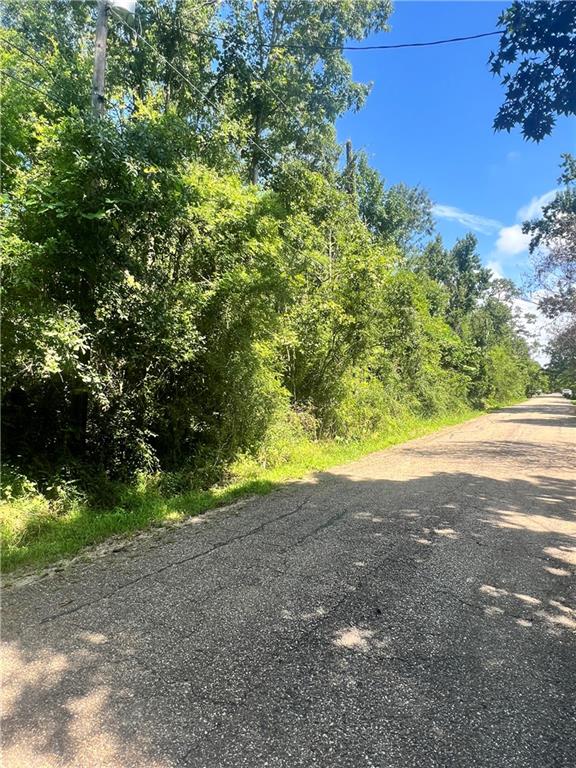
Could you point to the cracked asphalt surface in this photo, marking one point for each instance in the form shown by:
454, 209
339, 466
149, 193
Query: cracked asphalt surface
414, 608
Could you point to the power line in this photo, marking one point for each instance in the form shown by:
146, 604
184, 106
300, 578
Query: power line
420, 45
385, 47
34, 88
25, 53
292, 46
288, 47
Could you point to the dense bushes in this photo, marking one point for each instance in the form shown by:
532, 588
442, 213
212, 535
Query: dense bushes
155, 317
161, 314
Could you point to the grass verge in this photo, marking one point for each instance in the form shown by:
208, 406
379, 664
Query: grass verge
32, 535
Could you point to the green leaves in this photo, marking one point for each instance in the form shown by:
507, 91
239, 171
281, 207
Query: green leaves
537, 53
553, 246
400, 214
160, 312
96, 215
282, 71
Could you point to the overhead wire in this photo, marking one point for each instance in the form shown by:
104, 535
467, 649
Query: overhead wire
425, 44
341, 47
25, 53
287, 47
393, 46
384, 47
33, 87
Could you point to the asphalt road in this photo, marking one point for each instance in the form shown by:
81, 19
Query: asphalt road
414, 608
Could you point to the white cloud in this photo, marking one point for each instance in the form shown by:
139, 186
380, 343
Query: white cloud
469, 220
496, 268
511, 241
534, 207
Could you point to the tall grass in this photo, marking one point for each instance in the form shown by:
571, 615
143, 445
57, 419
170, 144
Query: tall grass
38, 527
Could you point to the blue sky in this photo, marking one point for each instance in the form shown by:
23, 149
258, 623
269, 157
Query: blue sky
428, 121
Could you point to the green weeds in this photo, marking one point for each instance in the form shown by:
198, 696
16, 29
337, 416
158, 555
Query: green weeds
39, 527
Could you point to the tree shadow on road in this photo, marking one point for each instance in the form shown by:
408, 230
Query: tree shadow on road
297, 600
548, 413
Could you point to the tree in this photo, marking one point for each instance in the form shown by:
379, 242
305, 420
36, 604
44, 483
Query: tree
161, 313
536, 53
553, 245
460, 271
283, 74
398, 214
562, 350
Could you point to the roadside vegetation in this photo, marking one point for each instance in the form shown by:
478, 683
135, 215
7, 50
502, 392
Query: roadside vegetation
199, 301
553, 245
41, 527
534, 61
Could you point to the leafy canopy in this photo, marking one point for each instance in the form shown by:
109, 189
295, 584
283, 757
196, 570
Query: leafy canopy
537, 54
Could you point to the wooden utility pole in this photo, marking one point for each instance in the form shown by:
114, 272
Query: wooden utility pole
350, 171
99, 77
79, 398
